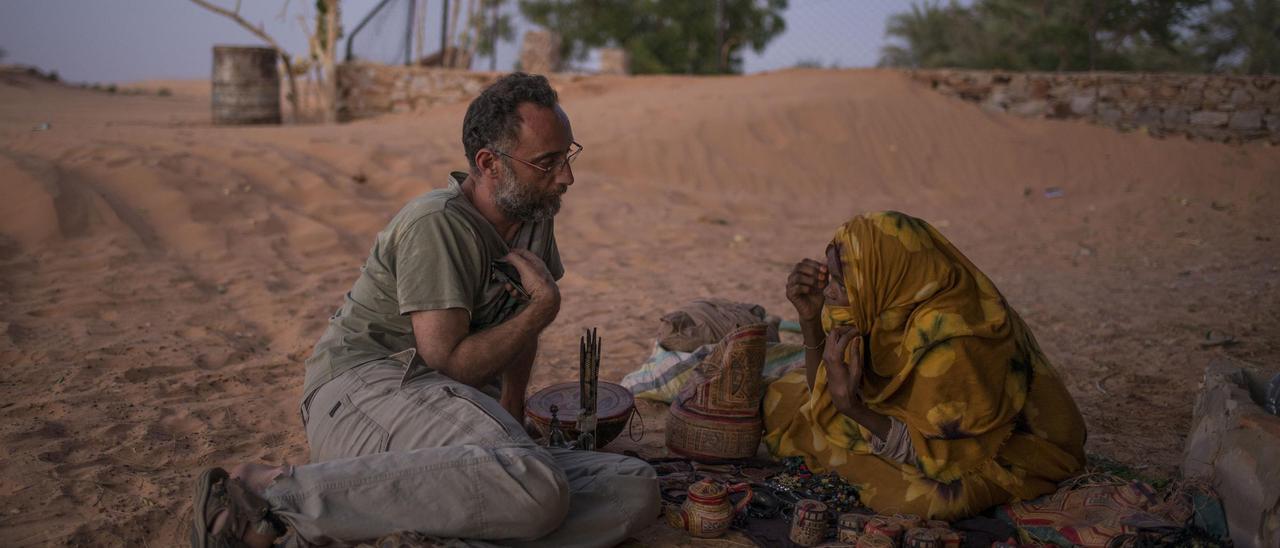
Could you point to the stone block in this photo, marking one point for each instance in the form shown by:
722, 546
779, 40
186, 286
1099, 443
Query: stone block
1234, 445
997, 101
614, 61
540, 52
1031, 108
1246, 120
1039, 89
1272, 122
1082, 105
1209, 118
1240, 97
1110, 91
1174, 117
1109, 115
1136, 92
1217, 135
1147, 116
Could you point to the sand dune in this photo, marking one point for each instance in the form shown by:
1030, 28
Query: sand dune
162, 279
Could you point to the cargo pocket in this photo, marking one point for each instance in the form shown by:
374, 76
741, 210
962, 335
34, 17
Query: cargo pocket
468, 406
342, 430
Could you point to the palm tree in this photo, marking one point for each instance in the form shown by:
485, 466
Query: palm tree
928, 33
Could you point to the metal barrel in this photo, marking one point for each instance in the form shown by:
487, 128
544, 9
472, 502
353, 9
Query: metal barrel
246, 85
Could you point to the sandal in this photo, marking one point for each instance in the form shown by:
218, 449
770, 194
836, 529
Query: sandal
215, 492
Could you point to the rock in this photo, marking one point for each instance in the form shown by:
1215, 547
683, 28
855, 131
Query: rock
1039, 89
1246, 120
1110, 91
1109, 115
1137, 92
1191, 96
614, 61
1272, 122
996, 102
1030, 108
1215, 95
1234, 445
1209, 118
1148, 116
1082, 105
1241, 97
1174, 117
540, 52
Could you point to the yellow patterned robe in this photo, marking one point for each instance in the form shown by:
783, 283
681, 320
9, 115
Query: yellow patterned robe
989, 418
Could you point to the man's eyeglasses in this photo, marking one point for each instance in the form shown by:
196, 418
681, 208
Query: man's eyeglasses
574, 150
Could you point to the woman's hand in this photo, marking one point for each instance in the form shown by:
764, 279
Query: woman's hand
844, 377
805, 286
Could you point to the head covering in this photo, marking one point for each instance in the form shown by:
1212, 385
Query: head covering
946, 354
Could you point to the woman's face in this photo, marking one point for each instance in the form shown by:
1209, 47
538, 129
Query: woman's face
835, 293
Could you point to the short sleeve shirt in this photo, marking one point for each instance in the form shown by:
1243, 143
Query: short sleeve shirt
435, 254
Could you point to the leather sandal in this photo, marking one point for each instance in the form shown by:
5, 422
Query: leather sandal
217, 491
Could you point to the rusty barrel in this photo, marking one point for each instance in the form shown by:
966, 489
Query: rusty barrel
246, 85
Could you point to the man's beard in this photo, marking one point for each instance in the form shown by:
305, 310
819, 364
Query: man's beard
524, 202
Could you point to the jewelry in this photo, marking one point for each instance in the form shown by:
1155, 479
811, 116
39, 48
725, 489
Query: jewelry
816, 346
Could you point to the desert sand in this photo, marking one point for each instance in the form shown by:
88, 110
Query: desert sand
162, 280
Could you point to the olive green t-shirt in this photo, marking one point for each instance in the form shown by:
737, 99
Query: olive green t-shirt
435, 254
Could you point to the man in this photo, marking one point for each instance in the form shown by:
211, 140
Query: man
402, 432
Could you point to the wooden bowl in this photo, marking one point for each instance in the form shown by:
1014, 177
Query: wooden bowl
614, 405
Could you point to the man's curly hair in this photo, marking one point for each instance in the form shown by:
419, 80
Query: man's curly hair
492, 119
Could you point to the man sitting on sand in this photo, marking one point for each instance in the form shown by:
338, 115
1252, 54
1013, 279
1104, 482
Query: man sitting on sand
399, 400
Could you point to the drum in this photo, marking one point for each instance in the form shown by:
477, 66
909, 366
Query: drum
614, 406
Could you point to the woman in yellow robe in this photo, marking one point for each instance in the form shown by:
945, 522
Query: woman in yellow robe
922, 386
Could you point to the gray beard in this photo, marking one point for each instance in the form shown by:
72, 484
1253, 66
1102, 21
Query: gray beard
523, 202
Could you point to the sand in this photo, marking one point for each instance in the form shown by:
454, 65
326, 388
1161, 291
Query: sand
162, 280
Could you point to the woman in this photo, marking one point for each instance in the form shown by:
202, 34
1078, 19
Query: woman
922, 387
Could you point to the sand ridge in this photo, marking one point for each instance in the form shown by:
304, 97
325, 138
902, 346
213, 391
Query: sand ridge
161, 280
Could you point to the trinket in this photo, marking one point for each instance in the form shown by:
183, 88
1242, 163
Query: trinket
887, 526
875, 540
707, 512
809, 524
851, 526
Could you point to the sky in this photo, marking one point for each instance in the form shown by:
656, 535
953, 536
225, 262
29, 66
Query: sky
130, 40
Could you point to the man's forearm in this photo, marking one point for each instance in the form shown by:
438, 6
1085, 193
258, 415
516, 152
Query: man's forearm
484, 355
515, 382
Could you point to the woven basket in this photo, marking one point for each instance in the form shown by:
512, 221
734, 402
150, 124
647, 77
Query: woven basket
708, 438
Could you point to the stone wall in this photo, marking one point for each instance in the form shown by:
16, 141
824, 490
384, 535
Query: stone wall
1212, 107
370, 89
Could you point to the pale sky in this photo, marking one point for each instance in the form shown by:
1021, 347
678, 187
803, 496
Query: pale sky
130, 40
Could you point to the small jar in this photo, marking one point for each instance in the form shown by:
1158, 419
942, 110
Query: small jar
809, 524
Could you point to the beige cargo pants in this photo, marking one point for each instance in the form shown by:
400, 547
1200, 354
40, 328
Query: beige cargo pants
404, 448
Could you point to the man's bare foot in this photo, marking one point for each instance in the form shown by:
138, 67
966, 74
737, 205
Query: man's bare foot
257, 477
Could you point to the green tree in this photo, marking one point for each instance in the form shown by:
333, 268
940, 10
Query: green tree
663, 36
1240, 36
1043, 35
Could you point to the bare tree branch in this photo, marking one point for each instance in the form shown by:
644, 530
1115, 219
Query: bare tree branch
258, 31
